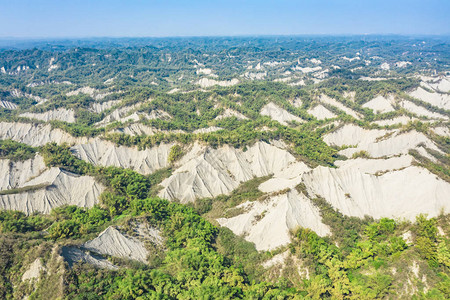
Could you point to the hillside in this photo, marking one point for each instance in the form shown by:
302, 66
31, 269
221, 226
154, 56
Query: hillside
231, 168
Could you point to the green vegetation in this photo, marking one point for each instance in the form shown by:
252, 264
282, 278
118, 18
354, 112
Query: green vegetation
15, 151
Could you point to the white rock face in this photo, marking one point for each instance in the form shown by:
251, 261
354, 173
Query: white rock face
7, 105
206, 172
286, 178
380, 104
15, 174
62, 114
327, 100
18, 93
228, 113
436, 99
36, 134
267, 224
399, 191
207, 82
439, 84
279, 114
53, 188
102, 106
378, 143
129, 113
104, 153
403, 120
306, 69
134, 129
88, 91
112, 242
421, 111
34, 271
441, 130
321, 113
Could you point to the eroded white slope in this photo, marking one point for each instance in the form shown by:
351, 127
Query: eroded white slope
228, 113
15, 174
321, 113
267, 223
330, 101
104, 153
421, 111
112, 242
380, 104
378, 143
51, 189
208, 82
61, 114
403, 120
380, 188
279, 114
36, 134
102, 106
440, 84
434, 98
207, 172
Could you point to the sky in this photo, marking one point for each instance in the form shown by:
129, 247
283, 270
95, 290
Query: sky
161, 18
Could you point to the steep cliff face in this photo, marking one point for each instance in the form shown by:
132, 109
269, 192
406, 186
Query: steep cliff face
61, 114
267, 224
99, 152
207, 172
380, 188
378, 143
52, 188
36, 134
16, 174
279, 114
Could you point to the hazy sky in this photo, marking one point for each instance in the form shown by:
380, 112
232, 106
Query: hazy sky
87, 18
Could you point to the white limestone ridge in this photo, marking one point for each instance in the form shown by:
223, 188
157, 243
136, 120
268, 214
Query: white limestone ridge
19, 93
207, 172
380, 188
267, 224
403, 120
36, 134
94, 93
434, 98
61, 114
380, 104
16, 174
112, 242
75, 255
51, 189
104, 153
8, 105
134, 129
34, 271
129, 113
378, 143
420, 110
99, 107
279, 114
208, 82
439, 84
333, 102
228, 113
321, 113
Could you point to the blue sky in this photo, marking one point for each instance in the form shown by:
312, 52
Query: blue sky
119, 18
